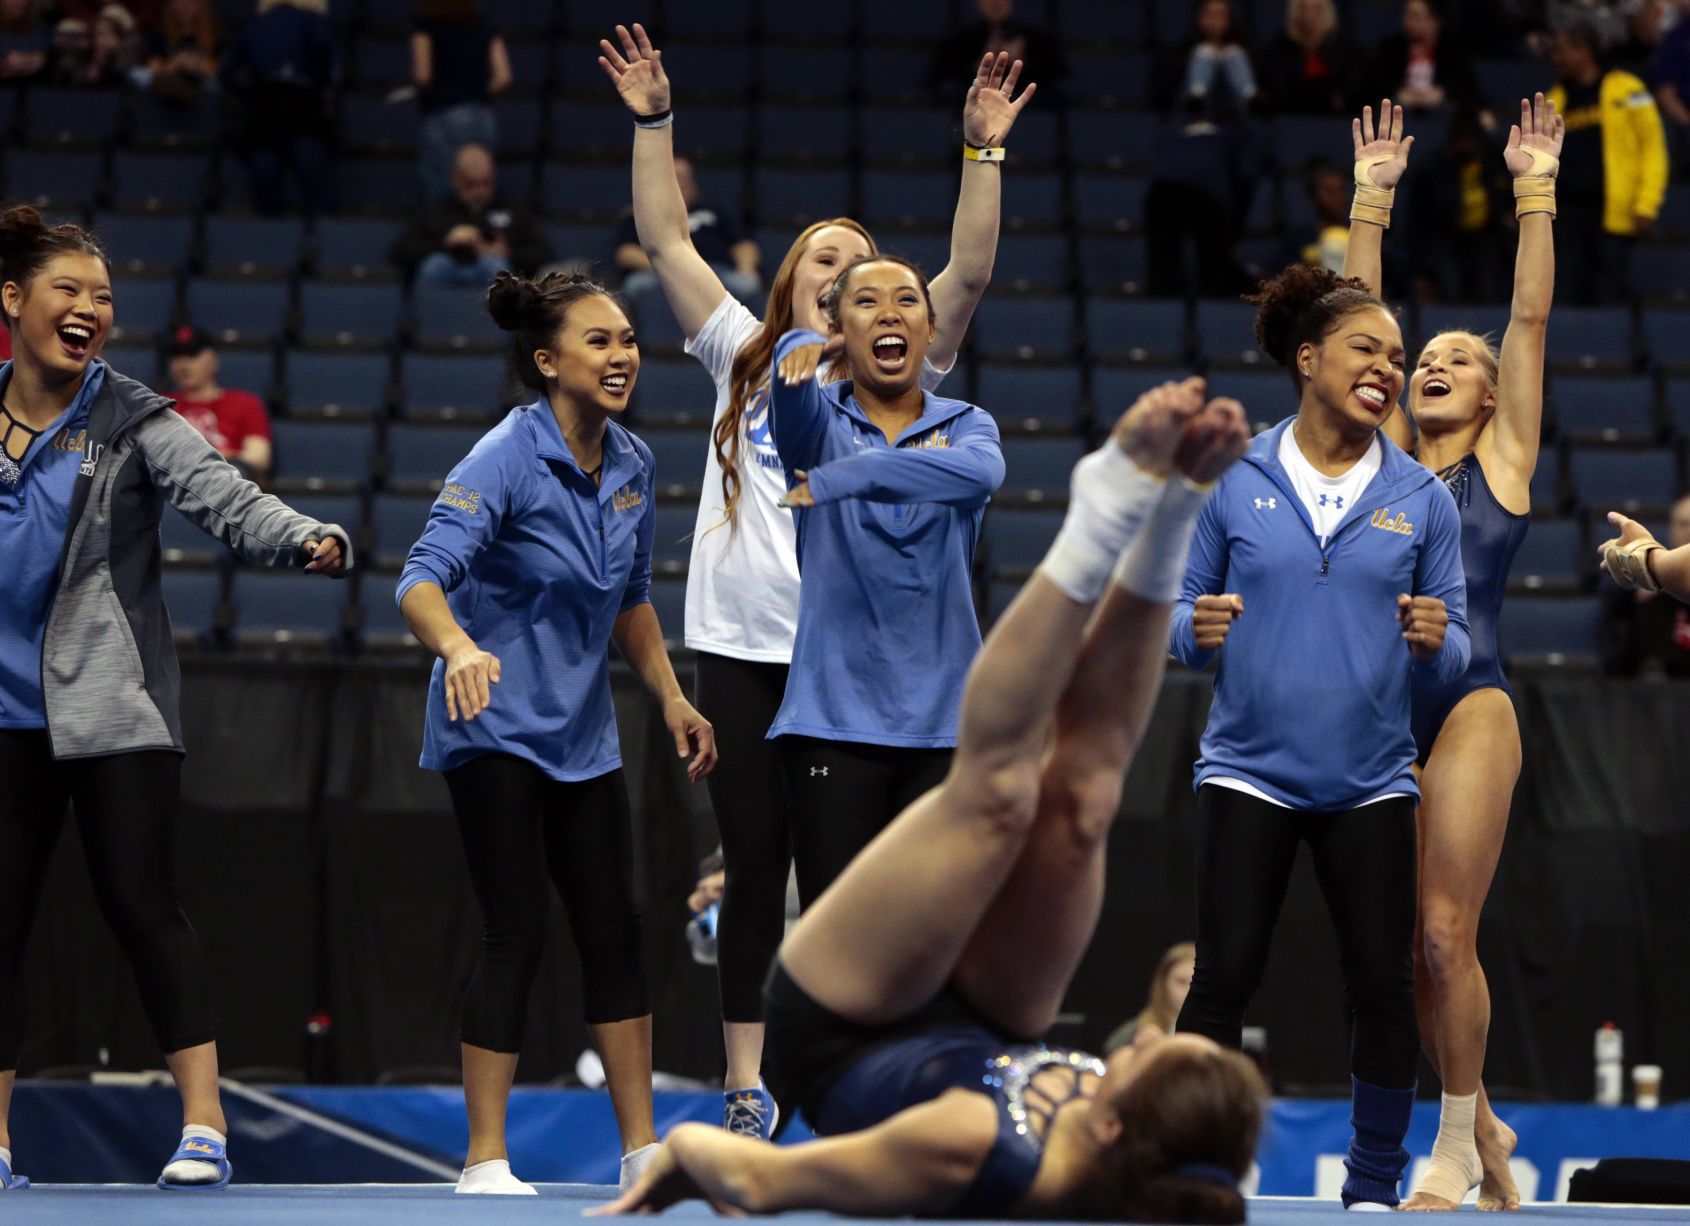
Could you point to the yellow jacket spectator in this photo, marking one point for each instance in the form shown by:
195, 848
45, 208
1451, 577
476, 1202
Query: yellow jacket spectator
1634, 149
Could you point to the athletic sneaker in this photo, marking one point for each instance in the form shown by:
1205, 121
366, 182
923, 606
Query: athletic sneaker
750, 1113
200, 1164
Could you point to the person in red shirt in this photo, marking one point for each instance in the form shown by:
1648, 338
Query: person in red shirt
234, 422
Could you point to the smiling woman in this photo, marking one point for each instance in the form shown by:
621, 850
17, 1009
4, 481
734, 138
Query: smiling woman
87, 460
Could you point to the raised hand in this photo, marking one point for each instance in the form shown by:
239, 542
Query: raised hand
803, 362
1534, 144
989, 112
1381, 150
637, 71
1625, 558
1213, 440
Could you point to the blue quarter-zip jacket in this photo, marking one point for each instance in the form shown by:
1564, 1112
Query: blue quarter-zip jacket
537, 564
886, 625
1312, 694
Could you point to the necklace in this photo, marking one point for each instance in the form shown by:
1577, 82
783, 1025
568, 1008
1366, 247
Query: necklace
10, 471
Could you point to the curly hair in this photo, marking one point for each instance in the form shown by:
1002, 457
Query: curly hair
1302, 306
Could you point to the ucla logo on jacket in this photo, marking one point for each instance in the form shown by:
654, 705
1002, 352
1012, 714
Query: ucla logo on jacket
91, 451
627, 498
1399, 524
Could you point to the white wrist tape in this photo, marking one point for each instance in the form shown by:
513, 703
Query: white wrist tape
1153, 566
1110, 498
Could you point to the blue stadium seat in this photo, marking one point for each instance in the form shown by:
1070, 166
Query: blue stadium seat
715, 134
71, 117
671, 546
1017, 538
1226, 333
375, 124
381, 626
243, 312
322, 457
142, 308
253, 246
350, 313
337, 384
679, 457
168, 182
1015, 393
1024, 327
1136, 330
1504, 82
378, 185
193, 599
1040, 464
183, 542
1492, 320
729, 20
1552, 558
906, 135
1660, 272
381, 63
354, 247
1548, 488
782, 19
670, 387
285, 609
158, 123
590, 193
930, 251
669, 602
520, 124
1605, 408
342, 510
1678, 404
396, 521
799, 197
55, 180
811, 73
1112, 263
250, 370
1265, 394
1663, 337
419, 457
1114, 388
1551, 630
585, 129
1623, 479
909, 197
593, 244
1109, 201
1043, 134
1032, 199
1031, 262
468, 386
785, 131
1111, 78
1113, 20
145, 243
654, 322
136, 361
454, 319
1112, 139
1588, 337
1300, 139
891, 73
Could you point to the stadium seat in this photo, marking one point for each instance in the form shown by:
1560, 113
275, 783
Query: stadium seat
799, 197
585, 129
1114, 140
595, 245
396, 521
419, 457
1664, 338
1550, 630
782, 19
674, 387
164, 182
142, 309
1551, 558
655, 324
337, 384
343, 510
1136, 330
1109, 201
1039, 466
588, 193
1112, 263
1017, 538
1590, 337
1265, 394
250, 370
145, 243
1628, 479
354, 247
679, 457
349, 313
1301, 139
672, 542
909, 135
669, 602
193, 600
322, 457
813, 72
803, 133
1028, 262
1548, 489
712, 71
287, 609
1109, 78
715, 134
1114, 388
1226, 333
1505, 82
382, 627
453, 386
1660, 273
385, 185
520, 124
377, 124
1024, 327
138, 361
454, 319
53, 180
891, 73
1017, 393
909, 197
1678, 404
1032, 199
1604, 408
253, 246
71, 118
159, 123
381, 63
239, 312
1491, 320
183, 542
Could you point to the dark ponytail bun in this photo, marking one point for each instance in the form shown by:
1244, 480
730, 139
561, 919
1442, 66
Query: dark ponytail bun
533, 311
27, 243
1302, 305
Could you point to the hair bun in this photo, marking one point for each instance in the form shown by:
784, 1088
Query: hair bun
1284, 299
510, 300
21, 227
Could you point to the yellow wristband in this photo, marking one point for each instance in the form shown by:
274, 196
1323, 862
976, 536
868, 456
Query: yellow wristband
993, 153
1534, 194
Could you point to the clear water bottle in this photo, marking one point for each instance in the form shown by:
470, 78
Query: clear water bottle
1610, 1066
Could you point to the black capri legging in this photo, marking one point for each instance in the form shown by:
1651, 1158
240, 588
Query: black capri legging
1364, 860
747, 791
524, 832
126, 812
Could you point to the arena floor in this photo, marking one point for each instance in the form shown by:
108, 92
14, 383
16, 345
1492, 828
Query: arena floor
424, 1204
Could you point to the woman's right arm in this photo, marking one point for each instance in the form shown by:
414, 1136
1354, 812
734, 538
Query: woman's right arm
1202, 616
693, 289
1381, 155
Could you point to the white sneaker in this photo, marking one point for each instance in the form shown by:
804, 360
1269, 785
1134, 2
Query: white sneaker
634, 1164
493, 1179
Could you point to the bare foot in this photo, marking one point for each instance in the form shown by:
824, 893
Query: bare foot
1497, 1192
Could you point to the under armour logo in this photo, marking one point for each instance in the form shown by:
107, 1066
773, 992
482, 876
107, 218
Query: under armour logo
1268, 503
1337, 500
818, 770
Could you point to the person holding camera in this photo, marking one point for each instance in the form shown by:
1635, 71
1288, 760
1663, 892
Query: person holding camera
472, 235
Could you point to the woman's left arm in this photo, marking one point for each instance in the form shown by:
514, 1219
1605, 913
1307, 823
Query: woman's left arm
1533, 155
209, 490
963, 473
1440, 595
987, 116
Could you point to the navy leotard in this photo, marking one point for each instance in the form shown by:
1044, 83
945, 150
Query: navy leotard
1490, 537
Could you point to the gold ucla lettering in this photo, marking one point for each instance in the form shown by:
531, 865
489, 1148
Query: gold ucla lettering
627, 498
1382, 519
935, 440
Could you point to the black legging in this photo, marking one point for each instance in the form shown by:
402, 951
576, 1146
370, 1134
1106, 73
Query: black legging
126, 811
1364, 861
843, 793
522, 833
740, 699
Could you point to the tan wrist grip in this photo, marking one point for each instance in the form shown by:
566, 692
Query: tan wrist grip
1371, 203
1534, 194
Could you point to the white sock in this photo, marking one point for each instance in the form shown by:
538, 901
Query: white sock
6, 1157
1454, 1168
493, 1178
1153, 566
195, 1170
1110, 498
634, 1163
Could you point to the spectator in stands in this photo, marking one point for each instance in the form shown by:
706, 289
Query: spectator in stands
1605, 19
715, 233
1328, 190
958, 58
1309, 67
1419, 67
234, 422
1168, 987
1648, 633
1613, 172
458, 63
1455, 220
25, 40
278, 66
473, 234
181, 53
1672, 88
1212, 70
99, 55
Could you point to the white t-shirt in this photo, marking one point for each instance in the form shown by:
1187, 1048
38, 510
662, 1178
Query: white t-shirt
742, 581
1328, 500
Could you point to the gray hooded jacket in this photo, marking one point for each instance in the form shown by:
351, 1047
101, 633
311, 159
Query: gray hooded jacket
108, 665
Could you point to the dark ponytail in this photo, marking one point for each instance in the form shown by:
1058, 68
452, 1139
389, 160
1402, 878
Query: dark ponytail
1302, 305
28, 244
533, 311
